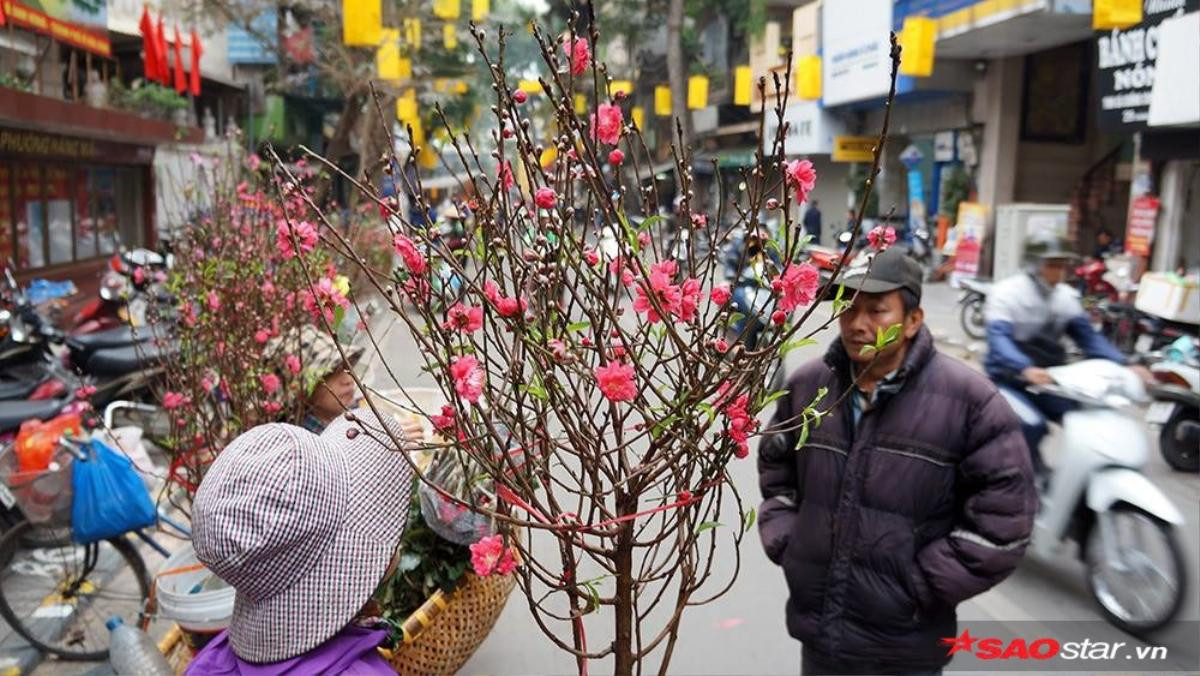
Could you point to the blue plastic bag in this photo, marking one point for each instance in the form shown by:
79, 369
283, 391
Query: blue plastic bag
110, 498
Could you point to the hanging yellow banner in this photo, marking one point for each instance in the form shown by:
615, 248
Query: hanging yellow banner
530, 87
638, 115
406, 106
580, 104
742, 85
917, 44
412, 32
1109, 14
362, 22
662, 100
480, 9
446, 9
697, 92
387, 56
620, 86
808, 77
449, 36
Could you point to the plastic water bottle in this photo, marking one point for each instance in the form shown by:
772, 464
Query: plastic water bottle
132, 653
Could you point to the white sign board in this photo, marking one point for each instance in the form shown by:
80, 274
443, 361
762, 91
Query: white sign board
855, 62
1175, 99
810, 130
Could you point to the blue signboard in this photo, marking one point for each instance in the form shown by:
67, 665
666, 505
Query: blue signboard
245, 48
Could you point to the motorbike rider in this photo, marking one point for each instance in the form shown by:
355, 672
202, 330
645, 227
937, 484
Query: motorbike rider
1027, 315
746, 261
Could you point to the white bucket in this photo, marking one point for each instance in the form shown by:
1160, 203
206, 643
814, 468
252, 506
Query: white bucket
197, 599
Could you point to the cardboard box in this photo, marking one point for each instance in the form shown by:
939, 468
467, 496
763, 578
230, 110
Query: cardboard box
1169, 296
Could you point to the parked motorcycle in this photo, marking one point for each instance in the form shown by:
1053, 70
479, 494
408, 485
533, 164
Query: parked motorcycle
971, 300
1126, 527
1176, 409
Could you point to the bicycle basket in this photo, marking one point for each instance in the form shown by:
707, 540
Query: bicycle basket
44, 497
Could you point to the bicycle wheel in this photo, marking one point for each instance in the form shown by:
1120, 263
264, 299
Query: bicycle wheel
59, 596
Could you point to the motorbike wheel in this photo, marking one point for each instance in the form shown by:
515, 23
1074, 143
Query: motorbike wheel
972, 317
1122, 594
1179, 449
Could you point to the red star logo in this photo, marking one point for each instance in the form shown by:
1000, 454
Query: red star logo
962, 642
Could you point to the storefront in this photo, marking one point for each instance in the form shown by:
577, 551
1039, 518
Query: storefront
66, 202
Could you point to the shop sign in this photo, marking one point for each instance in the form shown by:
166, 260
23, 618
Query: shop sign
80, 23
969, 232
53, 146
1139, 231
856, 49
810, 130
854, 148
244, 47
1127, 60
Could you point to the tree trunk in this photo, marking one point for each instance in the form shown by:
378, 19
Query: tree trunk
623, 602
676, 71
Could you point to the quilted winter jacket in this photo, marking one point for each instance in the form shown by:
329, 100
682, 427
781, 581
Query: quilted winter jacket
883, 529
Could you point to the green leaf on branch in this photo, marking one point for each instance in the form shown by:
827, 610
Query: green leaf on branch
748, 523
795, 344
708, 525
577, 326
767, 400
339, 313
662, 426
803, 439
535, 390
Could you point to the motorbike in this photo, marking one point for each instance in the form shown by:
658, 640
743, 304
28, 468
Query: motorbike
971, 300
1097, 496
127, 288
1176, 409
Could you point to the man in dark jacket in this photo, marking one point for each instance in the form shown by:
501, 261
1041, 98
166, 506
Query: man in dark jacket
913, 493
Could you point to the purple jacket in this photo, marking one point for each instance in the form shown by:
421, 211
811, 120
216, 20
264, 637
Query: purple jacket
350, 651
882, 529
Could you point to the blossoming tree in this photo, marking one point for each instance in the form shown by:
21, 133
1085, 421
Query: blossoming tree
598, 399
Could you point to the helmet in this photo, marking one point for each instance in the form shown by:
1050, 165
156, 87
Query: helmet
1043, 246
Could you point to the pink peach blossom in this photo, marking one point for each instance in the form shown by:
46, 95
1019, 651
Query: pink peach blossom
802, 178
616, 381
799, 284
606, 123
467, 377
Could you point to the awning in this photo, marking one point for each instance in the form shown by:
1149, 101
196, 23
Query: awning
1175, 99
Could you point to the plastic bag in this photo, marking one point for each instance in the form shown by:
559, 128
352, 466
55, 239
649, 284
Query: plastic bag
110, 498
459, 480
36, 441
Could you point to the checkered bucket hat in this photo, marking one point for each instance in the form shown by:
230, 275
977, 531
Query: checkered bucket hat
303, 526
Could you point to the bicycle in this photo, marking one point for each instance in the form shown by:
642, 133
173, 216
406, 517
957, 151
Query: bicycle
54, 593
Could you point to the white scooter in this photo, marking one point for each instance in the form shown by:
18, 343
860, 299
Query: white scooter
1126, 528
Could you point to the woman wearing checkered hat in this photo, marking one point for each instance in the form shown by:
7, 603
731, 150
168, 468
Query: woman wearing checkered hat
304, 527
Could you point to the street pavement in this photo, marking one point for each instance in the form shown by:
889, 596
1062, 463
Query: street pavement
743, 631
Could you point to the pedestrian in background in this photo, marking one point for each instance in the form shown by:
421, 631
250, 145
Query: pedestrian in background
913, 494
812, 222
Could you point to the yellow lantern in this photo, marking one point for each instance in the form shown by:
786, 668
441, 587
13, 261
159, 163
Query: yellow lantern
406, 106
917, 44
480, 9
530, 87
619, 86
580, 104
450, 36
445, 9
742, 85
1109, 14
808, 77
362, 22
638, 115
387, 55
412, 32
662, 100
697, 92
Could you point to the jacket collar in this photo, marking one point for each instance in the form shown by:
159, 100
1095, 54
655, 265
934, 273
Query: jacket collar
920, 350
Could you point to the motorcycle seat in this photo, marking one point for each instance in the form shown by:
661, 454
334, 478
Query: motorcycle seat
118, 337
119, 361
13, 413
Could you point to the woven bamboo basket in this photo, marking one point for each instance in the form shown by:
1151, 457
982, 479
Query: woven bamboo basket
442, 635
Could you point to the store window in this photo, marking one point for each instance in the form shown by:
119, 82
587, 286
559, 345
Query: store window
55, 214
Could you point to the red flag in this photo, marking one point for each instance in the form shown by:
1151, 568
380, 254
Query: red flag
197, 51
181, 84
2, 19
164, 69
149, 47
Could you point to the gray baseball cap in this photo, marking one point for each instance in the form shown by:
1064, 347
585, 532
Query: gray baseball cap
889, 270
